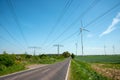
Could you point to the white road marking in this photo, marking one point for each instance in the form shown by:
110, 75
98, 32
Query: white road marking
45, 71
66, 78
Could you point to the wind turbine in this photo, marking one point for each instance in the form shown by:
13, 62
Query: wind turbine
105, 49
81, 31
113, 49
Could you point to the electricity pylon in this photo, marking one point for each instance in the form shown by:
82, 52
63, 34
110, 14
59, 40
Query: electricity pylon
58, 47
81, 31
34, 49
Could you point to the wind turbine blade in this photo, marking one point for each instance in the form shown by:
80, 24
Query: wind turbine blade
85, 30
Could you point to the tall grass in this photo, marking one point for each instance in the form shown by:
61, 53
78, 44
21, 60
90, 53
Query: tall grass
83, 71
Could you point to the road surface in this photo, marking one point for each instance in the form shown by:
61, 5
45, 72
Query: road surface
55, 71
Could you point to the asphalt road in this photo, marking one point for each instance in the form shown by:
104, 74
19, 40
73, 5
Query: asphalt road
55, 71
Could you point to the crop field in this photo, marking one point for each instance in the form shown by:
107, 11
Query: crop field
97, 67
100, 59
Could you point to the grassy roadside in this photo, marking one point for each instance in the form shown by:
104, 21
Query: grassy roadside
106, 65
83, 71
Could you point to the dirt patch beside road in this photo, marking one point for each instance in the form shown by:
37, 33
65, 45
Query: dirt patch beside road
114, 74
35, 66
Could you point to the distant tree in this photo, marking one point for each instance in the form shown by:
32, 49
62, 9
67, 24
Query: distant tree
72, 56
42, 56
66, 54
28, 56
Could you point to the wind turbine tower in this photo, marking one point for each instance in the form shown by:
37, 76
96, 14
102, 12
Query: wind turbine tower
76, 48
113, 49
81, 31
105, 49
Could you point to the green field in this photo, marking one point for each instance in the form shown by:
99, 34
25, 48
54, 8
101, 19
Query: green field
82, 67
100, 59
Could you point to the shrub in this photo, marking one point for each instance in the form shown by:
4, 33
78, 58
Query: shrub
2, 67
7, 60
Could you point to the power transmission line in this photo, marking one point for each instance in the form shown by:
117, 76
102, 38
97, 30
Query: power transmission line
71, 25
68, 4
34, 49
92, 20
10, 4
102, 15
66, 38
69, 36
3, 27
2, 38
58, 47
81, 31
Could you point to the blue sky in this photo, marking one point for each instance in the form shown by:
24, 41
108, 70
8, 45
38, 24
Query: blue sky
43, 23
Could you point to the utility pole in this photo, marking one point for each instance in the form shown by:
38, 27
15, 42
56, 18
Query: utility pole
34, 49
81, 31
76, 48
105, 49
58, 47
113, 49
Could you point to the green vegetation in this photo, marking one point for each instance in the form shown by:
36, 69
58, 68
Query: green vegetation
94, 67
100, 58
6, 70
10, 63
83, 71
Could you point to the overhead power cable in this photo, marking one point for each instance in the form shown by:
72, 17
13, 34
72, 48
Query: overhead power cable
96, 18
68, 4
2, 38
70, 36
102, 15
3, 27
10, 4
94, 3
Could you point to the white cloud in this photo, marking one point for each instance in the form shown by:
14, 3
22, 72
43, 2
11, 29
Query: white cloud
112, 27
